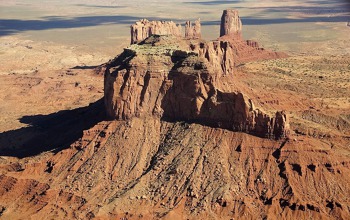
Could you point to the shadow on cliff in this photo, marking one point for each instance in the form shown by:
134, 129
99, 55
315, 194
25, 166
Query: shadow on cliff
51, 132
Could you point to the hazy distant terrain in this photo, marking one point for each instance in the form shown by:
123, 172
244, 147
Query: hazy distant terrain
105, 24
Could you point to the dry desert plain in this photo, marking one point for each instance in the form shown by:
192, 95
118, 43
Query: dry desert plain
51, 107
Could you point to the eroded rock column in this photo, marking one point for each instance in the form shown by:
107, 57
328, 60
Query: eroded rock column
231, 23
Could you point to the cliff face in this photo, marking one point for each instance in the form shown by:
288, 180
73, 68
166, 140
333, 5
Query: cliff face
231, 24
174, 78
225, 53
161, 78
144, 28
193, 31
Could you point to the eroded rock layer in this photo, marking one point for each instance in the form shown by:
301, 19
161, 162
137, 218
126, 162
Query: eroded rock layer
161, 78
144, 28
193, 31
231, 23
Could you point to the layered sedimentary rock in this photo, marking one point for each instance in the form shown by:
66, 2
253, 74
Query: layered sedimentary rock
161, 78
226, 53
175, 79
193, 31
231, 23
144, 28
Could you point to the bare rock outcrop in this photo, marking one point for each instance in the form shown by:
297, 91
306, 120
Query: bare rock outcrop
176, 78
193, 31
231, 23
226, 53
144, 28
170, 82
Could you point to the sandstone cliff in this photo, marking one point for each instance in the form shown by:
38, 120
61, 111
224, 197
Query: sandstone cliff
144, 28
231, 24
160, 77
175, 78
227, 52
193, 31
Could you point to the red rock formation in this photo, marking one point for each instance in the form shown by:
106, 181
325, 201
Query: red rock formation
144, 28
169, 82
231, 24
193, 32
226, 53
175, 79
220, 55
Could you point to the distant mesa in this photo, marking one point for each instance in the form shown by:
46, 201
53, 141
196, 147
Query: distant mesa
231, 25
143, 29
173, 76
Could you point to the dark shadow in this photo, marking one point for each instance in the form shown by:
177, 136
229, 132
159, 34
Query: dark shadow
51, 132
85, 67
12, 26
100, 6
320, 11
326, 5
266, 21
227, 2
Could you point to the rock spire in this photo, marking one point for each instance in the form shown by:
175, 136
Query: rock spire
231, 23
